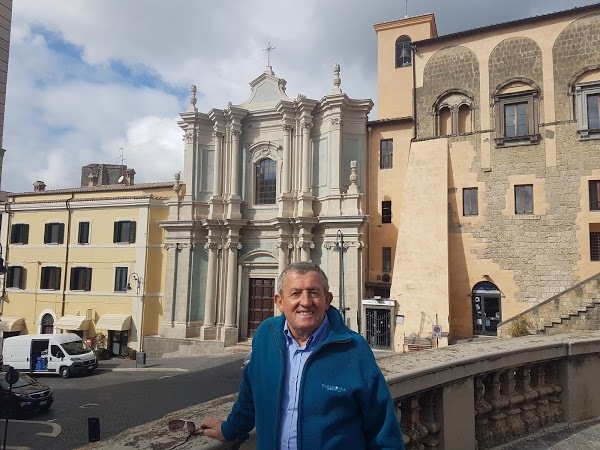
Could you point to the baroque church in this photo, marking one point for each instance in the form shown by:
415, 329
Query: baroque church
269, 181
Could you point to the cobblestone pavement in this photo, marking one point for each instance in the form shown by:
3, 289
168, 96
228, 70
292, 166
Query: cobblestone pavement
583, 436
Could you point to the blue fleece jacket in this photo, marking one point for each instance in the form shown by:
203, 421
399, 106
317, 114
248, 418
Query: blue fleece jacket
344, 401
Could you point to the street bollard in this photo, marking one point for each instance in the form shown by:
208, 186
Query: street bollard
93, 429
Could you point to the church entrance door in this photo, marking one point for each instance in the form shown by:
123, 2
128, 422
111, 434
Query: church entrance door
261, 302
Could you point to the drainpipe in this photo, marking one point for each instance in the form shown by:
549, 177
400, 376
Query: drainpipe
414, 96
68, 232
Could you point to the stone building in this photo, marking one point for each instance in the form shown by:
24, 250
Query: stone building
484, 170
269, 181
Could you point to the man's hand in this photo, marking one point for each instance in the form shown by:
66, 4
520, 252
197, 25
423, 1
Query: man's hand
212, 428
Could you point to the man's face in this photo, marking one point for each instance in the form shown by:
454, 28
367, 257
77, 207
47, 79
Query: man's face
303, 302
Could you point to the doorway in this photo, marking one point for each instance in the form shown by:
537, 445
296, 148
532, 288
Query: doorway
487, 313
117, 342
261, 304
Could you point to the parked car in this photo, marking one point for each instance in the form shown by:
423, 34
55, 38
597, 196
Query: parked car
27, 394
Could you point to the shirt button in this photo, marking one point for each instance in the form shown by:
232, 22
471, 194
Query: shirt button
289, 411
293, 379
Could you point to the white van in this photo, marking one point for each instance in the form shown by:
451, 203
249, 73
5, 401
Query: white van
64, 354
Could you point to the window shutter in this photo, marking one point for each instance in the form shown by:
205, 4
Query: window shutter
46, 233
56, 278
25, 231
88, 279
116, 232
73, 282
61, 233
10, 276
132, 232
22, 278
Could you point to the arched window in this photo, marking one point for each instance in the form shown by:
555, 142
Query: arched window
47, 324
266, 182
403, 52
464, 119
445, 122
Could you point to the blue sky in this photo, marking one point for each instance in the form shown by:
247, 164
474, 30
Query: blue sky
88, 78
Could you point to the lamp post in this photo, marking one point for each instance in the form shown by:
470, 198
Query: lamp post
339, 243
138, 280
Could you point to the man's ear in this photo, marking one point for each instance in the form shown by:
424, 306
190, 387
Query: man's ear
279, 302
329, 298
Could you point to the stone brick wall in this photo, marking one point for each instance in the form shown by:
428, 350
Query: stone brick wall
542, 250
515, 58
438, 79
575, 49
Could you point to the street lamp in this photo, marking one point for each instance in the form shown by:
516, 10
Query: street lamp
138, 282
339, 243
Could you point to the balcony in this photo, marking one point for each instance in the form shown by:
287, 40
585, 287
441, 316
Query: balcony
468, 396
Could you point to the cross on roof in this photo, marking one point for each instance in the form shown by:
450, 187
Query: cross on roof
269, 49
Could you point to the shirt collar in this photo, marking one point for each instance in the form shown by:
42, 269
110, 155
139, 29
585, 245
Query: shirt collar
314, 339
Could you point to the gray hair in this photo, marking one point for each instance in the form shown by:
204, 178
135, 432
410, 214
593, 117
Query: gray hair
302, 267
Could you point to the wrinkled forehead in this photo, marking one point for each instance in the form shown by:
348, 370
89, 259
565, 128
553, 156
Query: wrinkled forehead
310, 280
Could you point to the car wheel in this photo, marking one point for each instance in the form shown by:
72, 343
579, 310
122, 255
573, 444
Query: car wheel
65, 372
45, 407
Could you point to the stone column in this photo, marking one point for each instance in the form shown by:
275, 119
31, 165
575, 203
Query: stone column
230, 331
166, 327
235, 161
208, 331
183, 289
285, 177
305, 247
218, 162
284, 251
336, 154
306, 126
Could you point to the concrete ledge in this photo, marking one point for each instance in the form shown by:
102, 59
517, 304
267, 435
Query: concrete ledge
156, 435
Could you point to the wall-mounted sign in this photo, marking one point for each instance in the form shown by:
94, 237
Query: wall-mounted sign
437, 332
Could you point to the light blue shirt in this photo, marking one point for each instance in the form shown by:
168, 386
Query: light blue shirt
294, 365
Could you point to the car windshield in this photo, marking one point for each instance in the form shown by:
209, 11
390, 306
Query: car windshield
24, 380
75, 347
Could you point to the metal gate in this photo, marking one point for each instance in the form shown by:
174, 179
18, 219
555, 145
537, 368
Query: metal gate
378, 330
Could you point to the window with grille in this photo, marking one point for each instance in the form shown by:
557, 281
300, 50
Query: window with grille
266, 182
386, 259
19, 233
517, 121
124, 232
470, 202
595, 245
15, 277
121, 279
386, 153
50, 278
524, 199
54, 233
386, 211
81, 278
83, 235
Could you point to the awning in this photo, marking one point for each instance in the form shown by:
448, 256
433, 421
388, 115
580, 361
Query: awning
11, 324
71, 322
114, 322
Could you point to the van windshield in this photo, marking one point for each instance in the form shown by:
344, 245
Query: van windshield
75, 347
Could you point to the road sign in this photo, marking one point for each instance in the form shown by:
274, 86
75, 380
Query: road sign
437, 332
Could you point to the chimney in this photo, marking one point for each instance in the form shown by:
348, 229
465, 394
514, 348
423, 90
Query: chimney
129, 174
39, 186
93, 179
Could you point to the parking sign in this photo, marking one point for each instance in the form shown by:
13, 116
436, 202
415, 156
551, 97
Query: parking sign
437, 332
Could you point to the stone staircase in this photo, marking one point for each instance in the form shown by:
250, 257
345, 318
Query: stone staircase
575, 309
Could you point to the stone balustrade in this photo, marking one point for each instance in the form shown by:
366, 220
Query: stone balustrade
468, 396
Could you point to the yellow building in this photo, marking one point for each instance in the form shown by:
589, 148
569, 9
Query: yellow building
484, 172
86, 260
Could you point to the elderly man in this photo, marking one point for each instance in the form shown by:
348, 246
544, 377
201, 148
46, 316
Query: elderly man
311, 382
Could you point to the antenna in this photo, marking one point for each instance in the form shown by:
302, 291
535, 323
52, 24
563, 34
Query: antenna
406, 9
121, 160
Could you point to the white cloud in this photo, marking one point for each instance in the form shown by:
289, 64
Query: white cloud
89, 77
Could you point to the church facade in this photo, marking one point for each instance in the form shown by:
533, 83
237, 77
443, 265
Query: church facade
270, 181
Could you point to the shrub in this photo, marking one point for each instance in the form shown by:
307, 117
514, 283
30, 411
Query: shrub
518, 327
102, 353
129, 353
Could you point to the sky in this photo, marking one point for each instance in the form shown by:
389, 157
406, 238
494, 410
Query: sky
104, 81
